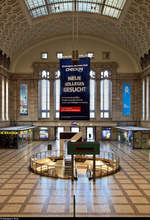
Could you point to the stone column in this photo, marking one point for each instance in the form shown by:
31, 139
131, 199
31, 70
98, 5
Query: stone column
113, 134
51, 134
12, 100
83, 132
17, 100
33, 100
67, 129
0, 97
116, 94
98, 133
36, 134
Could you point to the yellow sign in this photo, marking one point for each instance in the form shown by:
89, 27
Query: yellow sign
8, 132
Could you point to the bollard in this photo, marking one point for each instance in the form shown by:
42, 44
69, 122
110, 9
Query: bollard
74, 206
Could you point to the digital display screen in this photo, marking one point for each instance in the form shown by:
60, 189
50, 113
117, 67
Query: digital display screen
74, 123
106, 133
125, 134
44, 133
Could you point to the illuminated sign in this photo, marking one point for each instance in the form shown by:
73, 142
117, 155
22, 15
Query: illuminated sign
74, 123
8, 132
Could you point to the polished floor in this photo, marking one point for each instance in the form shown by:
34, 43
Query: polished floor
124, 194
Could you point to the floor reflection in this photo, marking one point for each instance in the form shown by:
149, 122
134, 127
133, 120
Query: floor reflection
124, 194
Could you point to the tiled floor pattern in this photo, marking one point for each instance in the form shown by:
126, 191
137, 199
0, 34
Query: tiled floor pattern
24, 194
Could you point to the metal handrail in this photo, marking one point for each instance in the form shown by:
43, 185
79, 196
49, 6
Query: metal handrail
111, 161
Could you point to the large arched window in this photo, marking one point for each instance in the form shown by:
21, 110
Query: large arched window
145, 99
3, 98
44, 94
111, 8
7, 116
92, 94
105, 95
57, 93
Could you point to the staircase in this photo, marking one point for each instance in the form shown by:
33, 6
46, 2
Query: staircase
77, 137
67, 169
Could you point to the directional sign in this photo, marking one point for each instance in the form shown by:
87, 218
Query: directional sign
83, 148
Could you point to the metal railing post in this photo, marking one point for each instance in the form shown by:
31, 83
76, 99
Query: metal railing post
74, 206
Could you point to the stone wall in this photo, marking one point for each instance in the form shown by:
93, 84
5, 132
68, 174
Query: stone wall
31, 79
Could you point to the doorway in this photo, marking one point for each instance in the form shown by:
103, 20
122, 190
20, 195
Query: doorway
58, 131
75, 129
90, 134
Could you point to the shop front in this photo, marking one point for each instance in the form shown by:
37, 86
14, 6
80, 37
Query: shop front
16, 137
136, 137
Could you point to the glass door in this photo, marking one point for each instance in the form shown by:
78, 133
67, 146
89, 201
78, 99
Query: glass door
75, 129
58, 131
90, 134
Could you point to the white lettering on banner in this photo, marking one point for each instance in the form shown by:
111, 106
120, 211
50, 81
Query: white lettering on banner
73, 78
79, 69
74, 84
74, 89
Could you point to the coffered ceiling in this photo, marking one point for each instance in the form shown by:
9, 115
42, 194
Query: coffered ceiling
19, 31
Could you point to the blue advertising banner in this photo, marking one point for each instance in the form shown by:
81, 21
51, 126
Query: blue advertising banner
126, 99
23, 99
74, 89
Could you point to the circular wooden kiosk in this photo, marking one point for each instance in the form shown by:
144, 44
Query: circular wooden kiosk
48, 164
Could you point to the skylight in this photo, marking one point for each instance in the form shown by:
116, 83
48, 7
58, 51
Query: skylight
111, 8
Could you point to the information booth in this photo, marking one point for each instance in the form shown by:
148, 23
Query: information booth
136, 137
16, 137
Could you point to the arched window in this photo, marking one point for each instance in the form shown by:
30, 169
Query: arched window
3, 98
44, 94
92, 94
105, 95
143, 98
7, 116
57, 93
147, 98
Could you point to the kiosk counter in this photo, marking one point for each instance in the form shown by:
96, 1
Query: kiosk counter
16, 137
136, 137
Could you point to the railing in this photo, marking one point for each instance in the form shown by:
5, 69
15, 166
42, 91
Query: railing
111, 164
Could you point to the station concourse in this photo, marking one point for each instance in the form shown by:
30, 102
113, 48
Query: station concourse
80, 68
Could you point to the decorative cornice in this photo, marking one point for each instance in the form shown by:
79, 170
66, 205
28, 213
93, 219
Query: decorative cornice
4, 72
48, 66
102, 66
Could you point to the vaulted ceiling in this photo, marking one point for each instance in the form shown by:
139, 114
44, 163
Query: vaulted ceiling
19, 31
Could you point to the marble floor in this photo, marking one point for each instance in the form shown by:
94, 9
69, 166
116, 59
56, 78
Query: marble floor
124, 194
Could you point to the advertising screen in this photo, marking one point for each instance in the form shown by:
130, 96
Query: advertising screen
74, 91
43, 133
106, 133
